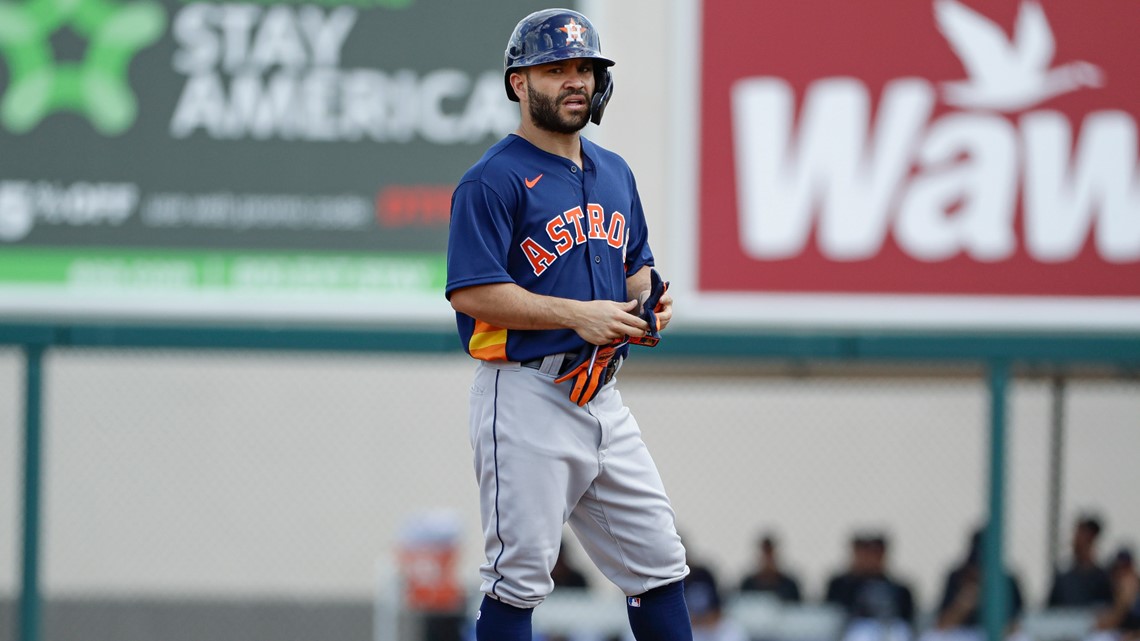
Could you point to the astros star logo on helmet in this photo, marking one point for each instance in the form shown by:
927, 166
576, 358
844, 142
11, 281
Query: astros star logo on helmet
573, 31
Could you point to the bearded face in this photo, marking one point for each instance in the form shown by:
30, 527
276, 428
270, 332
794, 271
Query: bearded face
545, 112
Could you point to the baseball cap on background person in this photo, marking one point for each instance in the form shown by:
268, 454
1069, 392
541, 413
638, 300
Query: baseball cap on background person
701, 593
554, 35
1091, 522
1123, 557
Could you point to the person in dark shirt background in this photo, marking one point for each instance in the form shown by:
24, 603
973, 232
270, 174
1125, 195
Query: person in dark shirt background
866, 590
960, 607
878, 605
768, 576
1122, 618
1085, 583
565, 575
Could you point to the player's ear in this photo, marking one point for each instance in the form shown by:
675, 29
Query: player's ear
518, 84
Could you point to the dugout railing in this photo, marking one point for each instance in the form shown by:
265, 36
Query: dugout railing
999, 357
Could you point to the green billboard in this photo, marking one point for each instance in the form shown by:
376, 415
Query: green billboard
240, 159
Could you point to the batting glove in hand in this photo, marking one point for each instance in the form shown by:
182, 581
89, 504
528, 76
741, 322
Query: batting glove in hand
592, 373
649, 308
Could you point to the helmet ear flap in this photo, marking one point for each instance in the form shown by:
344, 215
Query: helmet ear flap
602, 94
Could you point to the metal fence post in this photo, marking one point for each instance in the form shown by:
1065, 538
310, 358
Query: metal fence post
29, 629
995, 588
1056, 474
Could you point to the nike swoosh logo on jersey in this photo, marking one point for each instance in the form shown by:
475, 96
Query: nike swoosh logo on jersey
531, 182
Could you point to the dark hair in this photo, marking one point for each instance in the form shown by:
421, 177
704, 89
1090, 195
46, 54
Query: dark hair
974, 555
1123, 556
1091, 523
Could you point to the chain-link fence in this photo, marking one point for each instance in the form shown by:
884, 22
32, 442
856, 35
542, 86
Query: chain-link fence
229, 494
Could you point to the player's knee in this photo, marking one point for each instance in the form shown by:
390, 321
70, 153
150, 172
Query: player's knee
671, 551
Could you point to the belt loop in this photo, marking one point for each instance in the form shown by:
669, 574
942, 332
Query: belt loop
552, 364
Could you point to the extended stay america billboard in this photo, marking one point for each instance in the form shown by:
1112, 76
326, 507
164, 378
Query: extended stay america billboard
250, 159
959, 163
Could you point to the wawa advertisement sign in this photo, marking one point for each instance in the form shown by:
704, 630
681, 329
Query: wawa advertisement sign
924, 163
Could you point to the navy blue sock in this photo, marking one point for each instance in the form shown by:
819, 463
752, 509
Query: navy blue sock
660, 614
498, 621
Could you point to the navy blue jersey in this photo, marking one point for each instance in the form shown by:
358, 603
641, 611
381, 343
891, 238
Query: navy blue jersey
525, 216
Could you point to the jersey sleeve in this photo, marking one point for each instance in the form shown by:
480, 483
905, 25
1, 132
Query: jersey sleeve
478, 237
637, 251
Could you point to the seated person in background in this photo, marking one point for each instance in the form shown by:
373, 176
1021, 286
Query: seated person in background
876, 603
568, 580
703, 600
865, 590
767, 576
1121, 621
959, 612
702, 596
1085, 583
565, 575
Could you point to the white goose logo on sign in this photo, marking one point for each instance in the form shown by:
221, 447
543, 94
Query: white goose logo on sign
1005, 74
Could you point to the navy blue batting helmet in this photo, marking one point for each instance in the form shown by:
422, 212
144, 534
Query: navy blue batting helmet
553, 35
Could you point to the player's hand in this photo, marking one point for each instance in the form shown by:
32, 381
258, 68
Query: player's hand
653, 302
602, 322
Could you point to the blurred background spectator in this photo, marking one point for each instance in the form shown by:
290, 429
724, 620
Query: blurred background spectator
959, 611
878, 605
1084, 583
767, 575
568, 579
565, 574
704, 600
1121, 621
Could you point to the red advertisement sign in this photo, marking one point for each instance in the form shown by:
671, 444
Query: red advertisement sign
952, 148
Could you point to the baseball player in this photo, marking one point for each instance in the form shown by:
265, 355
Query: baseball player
551, 277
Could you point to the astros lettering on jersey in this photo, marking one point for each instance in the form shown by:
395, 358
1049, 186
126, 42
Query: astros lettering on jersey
555, 229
